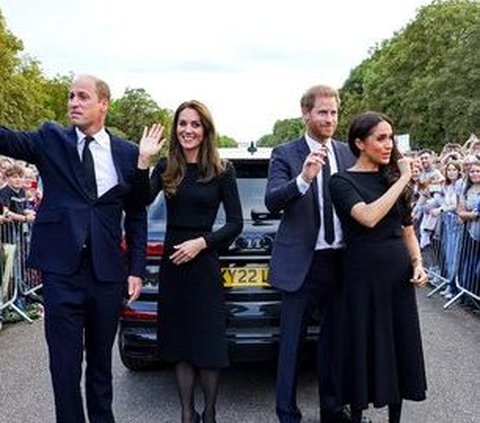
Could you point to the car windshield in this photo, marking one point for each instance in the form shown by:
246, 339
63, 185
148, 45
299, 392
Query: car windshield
251, 180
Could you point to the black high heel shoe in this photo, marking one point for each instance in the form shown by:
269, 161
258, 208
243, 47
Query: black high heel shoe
197, 418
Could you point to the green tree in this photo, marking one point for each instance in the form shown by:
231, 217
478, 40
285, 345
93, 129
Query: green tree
426, 76
21, 94
265, 141
283, 130
57, 89
133, 111
225, 141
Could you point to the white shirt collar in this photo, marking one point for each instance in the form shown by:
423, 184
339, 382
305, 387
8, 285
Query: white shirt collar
313, 144
101, 137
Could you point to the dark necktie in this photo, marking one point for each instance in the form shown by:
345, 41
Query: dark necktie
327, 204
89, 168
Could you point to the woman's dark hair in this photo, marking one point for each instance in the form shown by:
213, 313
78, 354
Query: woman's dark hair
209, 162
361, 127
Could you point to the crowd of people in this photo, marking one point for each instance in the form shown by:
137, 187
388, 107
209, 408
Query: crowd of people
446, 212
20, 193
346, 249
20, 197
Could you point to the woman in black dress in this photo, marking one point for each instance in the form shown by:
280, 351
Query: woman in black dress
191, 323
380, 349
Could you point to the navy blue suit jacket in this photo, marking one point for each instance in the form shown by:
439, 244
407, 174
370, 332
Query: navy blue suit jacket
298, 231
67, 215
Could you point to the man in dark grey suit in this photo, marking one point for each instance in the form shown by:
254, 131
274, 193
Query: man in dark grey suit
306, 257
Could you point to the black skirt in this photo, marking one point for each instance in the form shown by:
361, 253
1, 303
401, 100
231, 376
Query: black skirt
191, 308
380, 357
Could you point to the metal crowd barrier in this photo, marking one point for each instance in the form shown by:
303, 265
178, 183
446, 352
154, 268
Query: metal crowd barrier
18, 281
468, 272
453, 258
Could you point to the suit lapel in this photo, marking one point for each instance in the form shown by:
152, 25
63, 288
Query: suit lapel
117, 156
338, 155
344, 159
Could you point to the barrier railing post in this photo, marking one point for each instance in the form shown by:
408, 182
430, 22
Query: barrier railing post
467, 279
9, 285
14, 237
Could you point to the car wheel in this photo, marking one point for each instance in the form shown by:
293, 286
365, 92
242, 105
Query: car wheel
138, 364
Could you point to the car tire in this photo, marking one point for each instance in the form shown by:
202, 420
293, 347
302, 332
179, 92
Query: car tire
137, 364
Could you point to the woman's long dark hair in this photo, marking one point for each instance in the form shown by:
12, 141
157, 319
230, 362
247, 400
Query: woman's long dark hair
361, 128
209, 162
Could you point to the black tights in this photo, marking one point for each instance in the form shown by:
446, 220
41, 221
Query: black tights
209, 379
394, 413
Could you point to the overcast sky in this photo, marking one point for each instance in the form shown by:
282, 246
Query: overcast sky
249, 61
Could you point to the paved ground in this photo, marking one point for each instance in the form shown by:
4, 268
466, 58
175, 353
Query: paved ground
452, 351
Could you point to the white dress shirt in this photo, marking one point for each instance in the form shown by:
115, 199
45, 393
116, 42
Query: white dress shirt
105, 172
304, 186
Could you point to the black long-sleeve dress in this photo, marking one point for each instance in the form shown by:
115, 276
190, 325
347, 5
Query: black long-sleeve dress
380, 358
191, 309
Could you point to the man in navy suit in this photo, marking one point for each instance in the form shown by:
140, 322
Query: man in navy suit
76, 242
306, 257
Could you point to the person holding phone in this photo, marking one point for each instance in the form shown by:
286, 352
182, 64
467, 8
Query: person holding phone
379, 351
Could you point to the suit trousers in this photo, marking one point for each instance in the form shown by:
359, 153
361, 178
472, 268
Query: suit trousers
81, 313
317, 298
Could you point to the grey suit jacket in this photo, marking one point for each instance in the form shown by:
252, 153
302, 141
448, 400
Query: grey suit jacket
297, 234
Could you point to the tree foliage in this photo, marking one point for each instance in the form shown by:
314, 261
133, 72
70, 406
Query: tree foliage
426, 77
225, 141
57, 89
133, 111
283, 130
28, 98
20, 80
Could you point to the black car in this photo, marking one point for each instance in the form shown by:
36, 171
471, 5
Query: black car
253, 306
